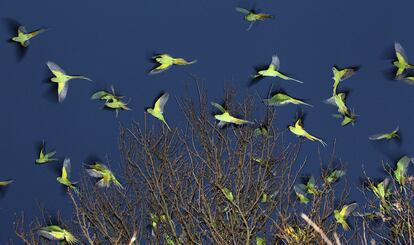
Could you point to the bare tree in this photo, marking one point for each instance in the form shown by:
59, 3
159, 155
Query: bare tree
202, 184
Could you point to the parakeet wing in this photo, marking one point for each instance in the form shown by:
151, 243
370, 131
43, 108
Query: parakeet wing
218, 106
242, 10
376, 136
94, 173
46, 235
54, 68
160, 68
67, 167
400, 50
22, 30
348, 209
159, 105
99, 95
102, 183
275, 62
348, 73
62, 91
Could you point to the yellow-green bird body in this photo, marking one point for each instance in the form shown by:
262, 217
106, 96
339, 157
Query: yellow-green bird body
56, 233
341, 75
112, 101
342, 215
6, 183
298, 130
64, 178
23, 37
252, 16
45, 158
226, 117
105, 175
280, 99
62, 79
386, 136
402, 62
166, 61
228, 194
334, 176
158, 110
273, 71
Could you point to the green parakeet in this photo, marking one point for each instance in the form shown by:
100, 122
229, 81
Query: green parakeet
342, 215
334, 176
401, 170
105, 175
310, 186
301, 195
6, 183
64, 178
166, 61
226, 117
56, 233
298, 130
260, 240
228, 194
341, 75
409, 79
262, 130
386, 136
273, 71
251, 16
158, 110
112, 101
62, 79
45, 158
382, 190
23, 37
402, 62
280, 99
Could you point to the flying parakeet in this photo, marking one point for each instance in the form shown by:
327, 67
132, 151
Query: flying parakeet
105, 175
341, 75
23, 37
158, 110
62, 79
260, 240
226, 117
401, 170
112, 101
301, 195
262, 130
56, 233
228, 194
64, 178
298, 130
386, 136
273, 71
45, 158
342, 215
310, 186
280, 99
251, 16
382, 190
6, 183
166, 62
402, 62
334, 176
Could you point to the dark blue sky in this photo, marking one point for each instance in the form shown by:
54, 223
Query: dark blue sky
110, 41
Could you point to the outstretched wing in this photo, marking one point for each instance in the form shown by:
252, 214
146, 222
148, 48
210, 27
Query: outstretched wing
275, 62
218, 106
242, 10
62, 91
159, 105
66, 168
348, 209
55, 69
160, 68
400, 52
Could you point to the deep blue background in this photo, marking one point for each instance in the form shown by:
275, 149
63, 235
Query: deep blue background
110, 41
